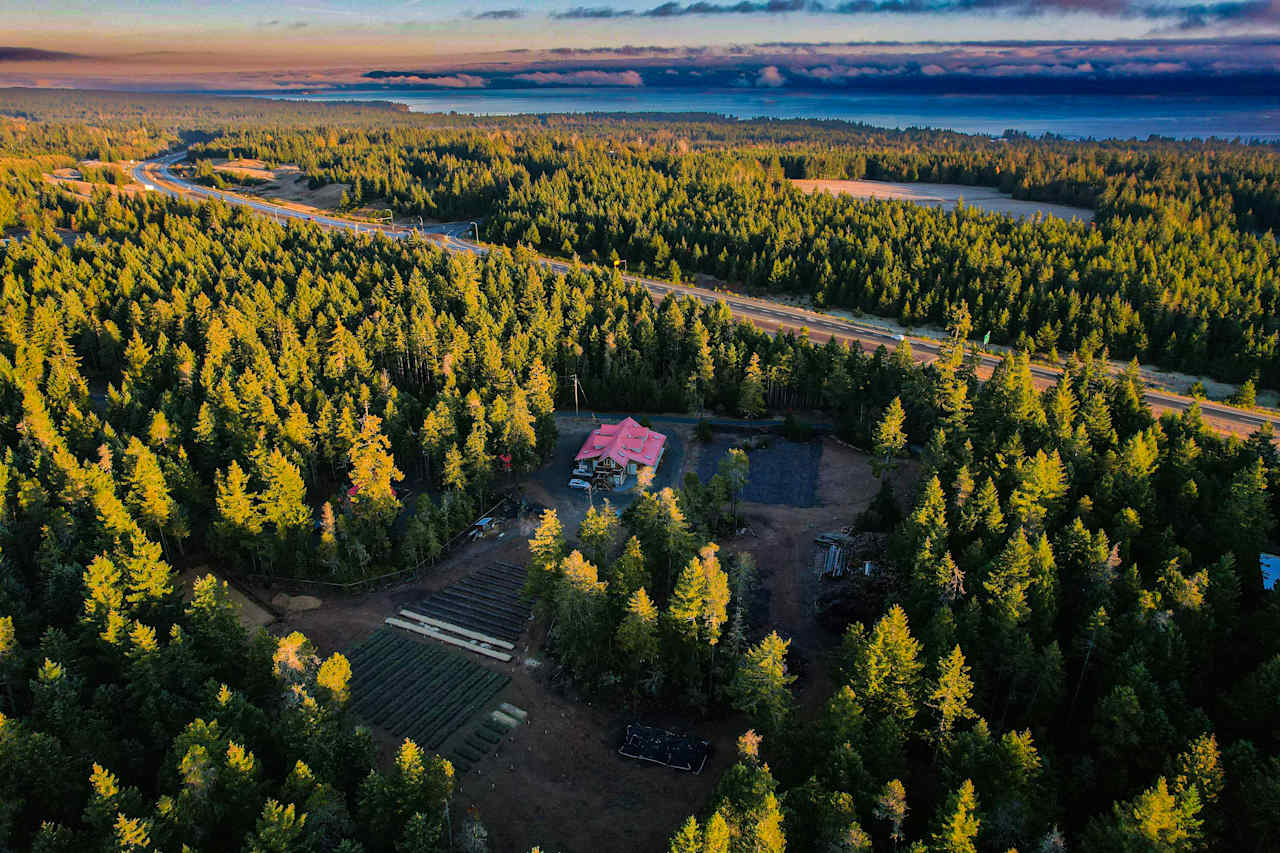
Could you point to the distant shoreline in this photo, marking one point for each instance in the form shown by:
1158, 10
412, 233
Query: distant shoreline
1246, 117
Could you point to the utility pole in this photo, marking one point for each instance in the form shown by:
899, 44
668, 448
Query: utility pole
573, 377
476, 227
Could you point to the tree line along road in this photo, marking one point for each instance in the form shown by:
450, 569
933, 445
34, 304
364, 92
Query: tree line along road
157, 174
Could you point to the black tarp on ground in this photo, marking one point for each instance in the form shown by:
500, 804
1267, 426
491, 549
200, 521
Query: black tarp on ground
683, 752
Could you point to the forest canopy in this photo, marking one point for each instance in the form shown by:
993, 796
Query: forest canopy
1073, 648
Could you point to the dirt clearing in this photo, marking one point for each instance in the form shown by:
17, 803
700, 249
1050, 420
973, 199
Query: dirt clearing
284, 184
252, 614
781, 539
946, 196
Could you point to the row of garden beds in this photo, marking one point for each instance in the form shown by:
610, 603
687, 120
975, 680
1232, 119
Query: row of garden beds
488, 602
417, 690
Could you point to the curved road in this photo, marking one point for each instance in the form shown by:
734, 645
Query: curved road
157, 175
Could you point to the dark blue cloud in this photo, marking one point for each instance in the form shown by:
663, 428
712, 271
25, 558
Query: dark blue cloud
34, 54
500, 15
592, 12
1183, 16
700, 7
767, 7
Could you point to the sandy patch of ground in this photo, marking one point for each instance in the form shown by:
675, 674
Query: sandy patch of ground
285, 184
254, 169
288, 186
295, 603
252, 614
946, 196
69, 180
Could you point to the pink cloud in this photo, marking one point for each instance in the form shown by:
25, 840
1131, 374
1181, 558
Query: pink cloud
770, 77
457, 81
583, 78
1149, 68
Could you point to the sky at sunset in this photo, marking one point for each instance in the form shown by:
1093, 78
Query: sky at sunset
290, 43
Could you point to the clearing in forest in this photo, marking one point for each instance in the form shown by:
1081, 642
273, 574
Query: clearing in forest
946, 196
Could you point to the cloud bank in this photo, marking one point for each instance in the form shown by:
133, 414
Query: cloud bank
1178, 15
1208, 66
589, 77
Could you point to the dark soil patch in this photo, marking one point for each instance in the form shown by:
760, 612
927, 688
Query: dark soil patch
784, 472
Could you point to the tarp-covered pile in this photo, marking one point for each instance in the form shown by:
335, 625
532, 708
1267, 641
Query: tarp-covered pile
683, 752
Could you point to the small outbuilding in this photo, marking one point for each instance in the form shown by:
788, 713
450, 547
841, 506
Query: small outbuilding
614, 452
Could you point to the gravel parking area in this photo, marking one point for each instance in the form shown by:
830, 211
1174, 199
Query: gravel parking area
785, 472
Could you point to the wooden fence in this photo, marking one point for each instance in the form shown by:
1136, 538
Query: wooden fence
363, 585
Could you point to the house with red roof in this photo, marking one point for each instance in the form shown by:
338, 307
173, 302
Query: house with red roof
614, 452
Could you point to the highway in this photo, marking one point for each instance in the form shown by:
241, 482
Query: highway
157, 175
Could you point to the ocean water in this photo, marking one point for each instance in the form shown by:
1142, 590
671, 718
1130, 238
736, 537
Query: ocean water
1076, 116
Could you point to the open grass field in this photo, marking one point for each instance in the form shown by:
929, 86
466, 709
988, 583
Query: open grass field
946, 196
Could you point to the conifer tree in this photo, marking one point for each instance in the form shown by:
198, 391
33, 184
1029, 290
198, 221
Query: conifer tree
958, 822
891, 807
982, 514
148, 494
546, 549
239, 520
373, 471
598, 531
688, 602
746, 800
638, 633
334, 675
1007, 583
751, 391
282, 504
280, 829
9, 651
628, 572
1156, 820
715, 603
578, 612
735, 468
948, 580
888, 670
688, 839
890, 437
762, 685
454, 475
950, 694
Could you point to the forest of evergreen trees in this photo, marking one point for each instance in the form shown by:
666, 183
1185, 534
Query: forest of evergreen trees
1178, 269
1074, 652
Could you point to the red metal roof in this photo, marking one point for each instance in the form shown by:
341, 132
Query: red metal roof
623, 442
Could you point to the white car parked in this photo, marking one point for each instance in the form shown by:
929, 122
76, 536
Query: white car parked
575, 483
